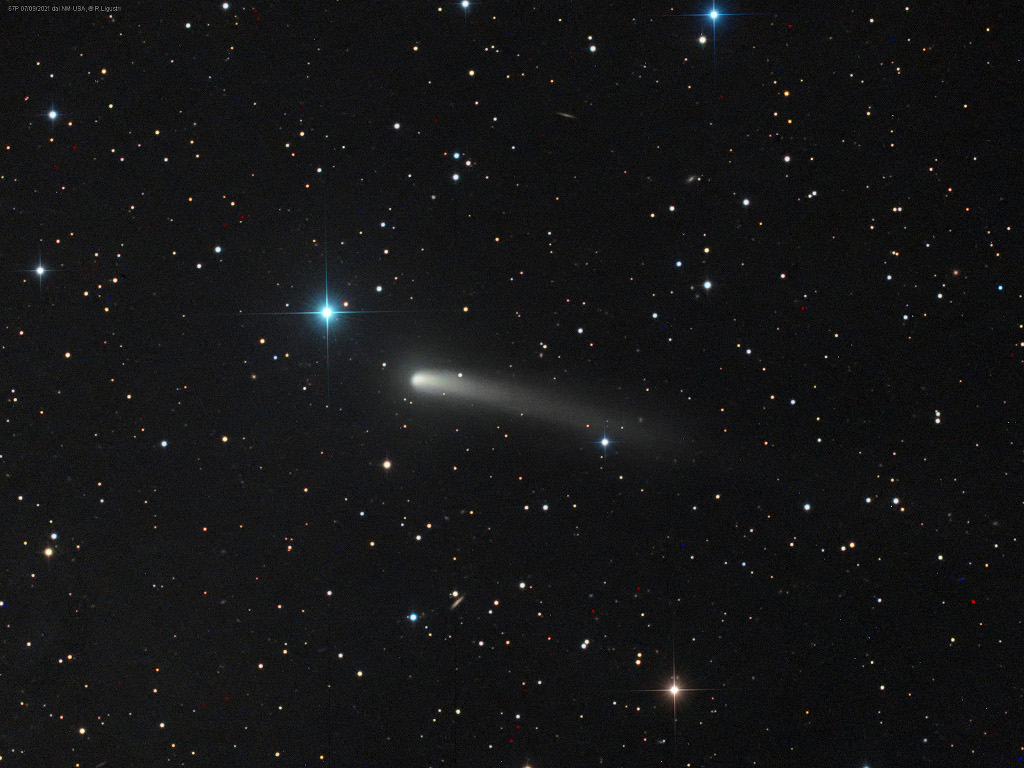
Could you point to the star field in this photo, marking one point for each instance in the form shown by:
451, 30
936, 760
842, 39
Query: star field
487, 384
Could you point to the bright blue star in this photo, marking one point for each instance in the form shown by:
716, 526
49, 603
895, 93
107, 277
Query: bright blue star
52, 114
326, 312
713, 14
39, 270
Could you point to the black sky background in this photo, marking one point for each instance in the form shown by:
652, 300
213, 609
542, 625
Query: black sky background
247, 601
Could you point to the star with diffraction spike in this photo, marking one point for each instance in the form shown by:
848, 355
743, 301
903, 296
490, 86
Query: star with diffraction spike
328, 313
714, 14
675, 690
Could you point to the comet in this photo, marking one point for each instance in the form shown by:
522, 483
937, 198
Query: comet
515, 399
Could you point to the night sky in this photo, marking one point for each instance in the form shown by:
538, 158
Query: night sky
511, 384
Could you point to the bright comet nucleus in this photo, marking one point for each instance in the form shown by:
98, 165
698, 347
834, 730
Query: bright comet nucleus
521, 400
